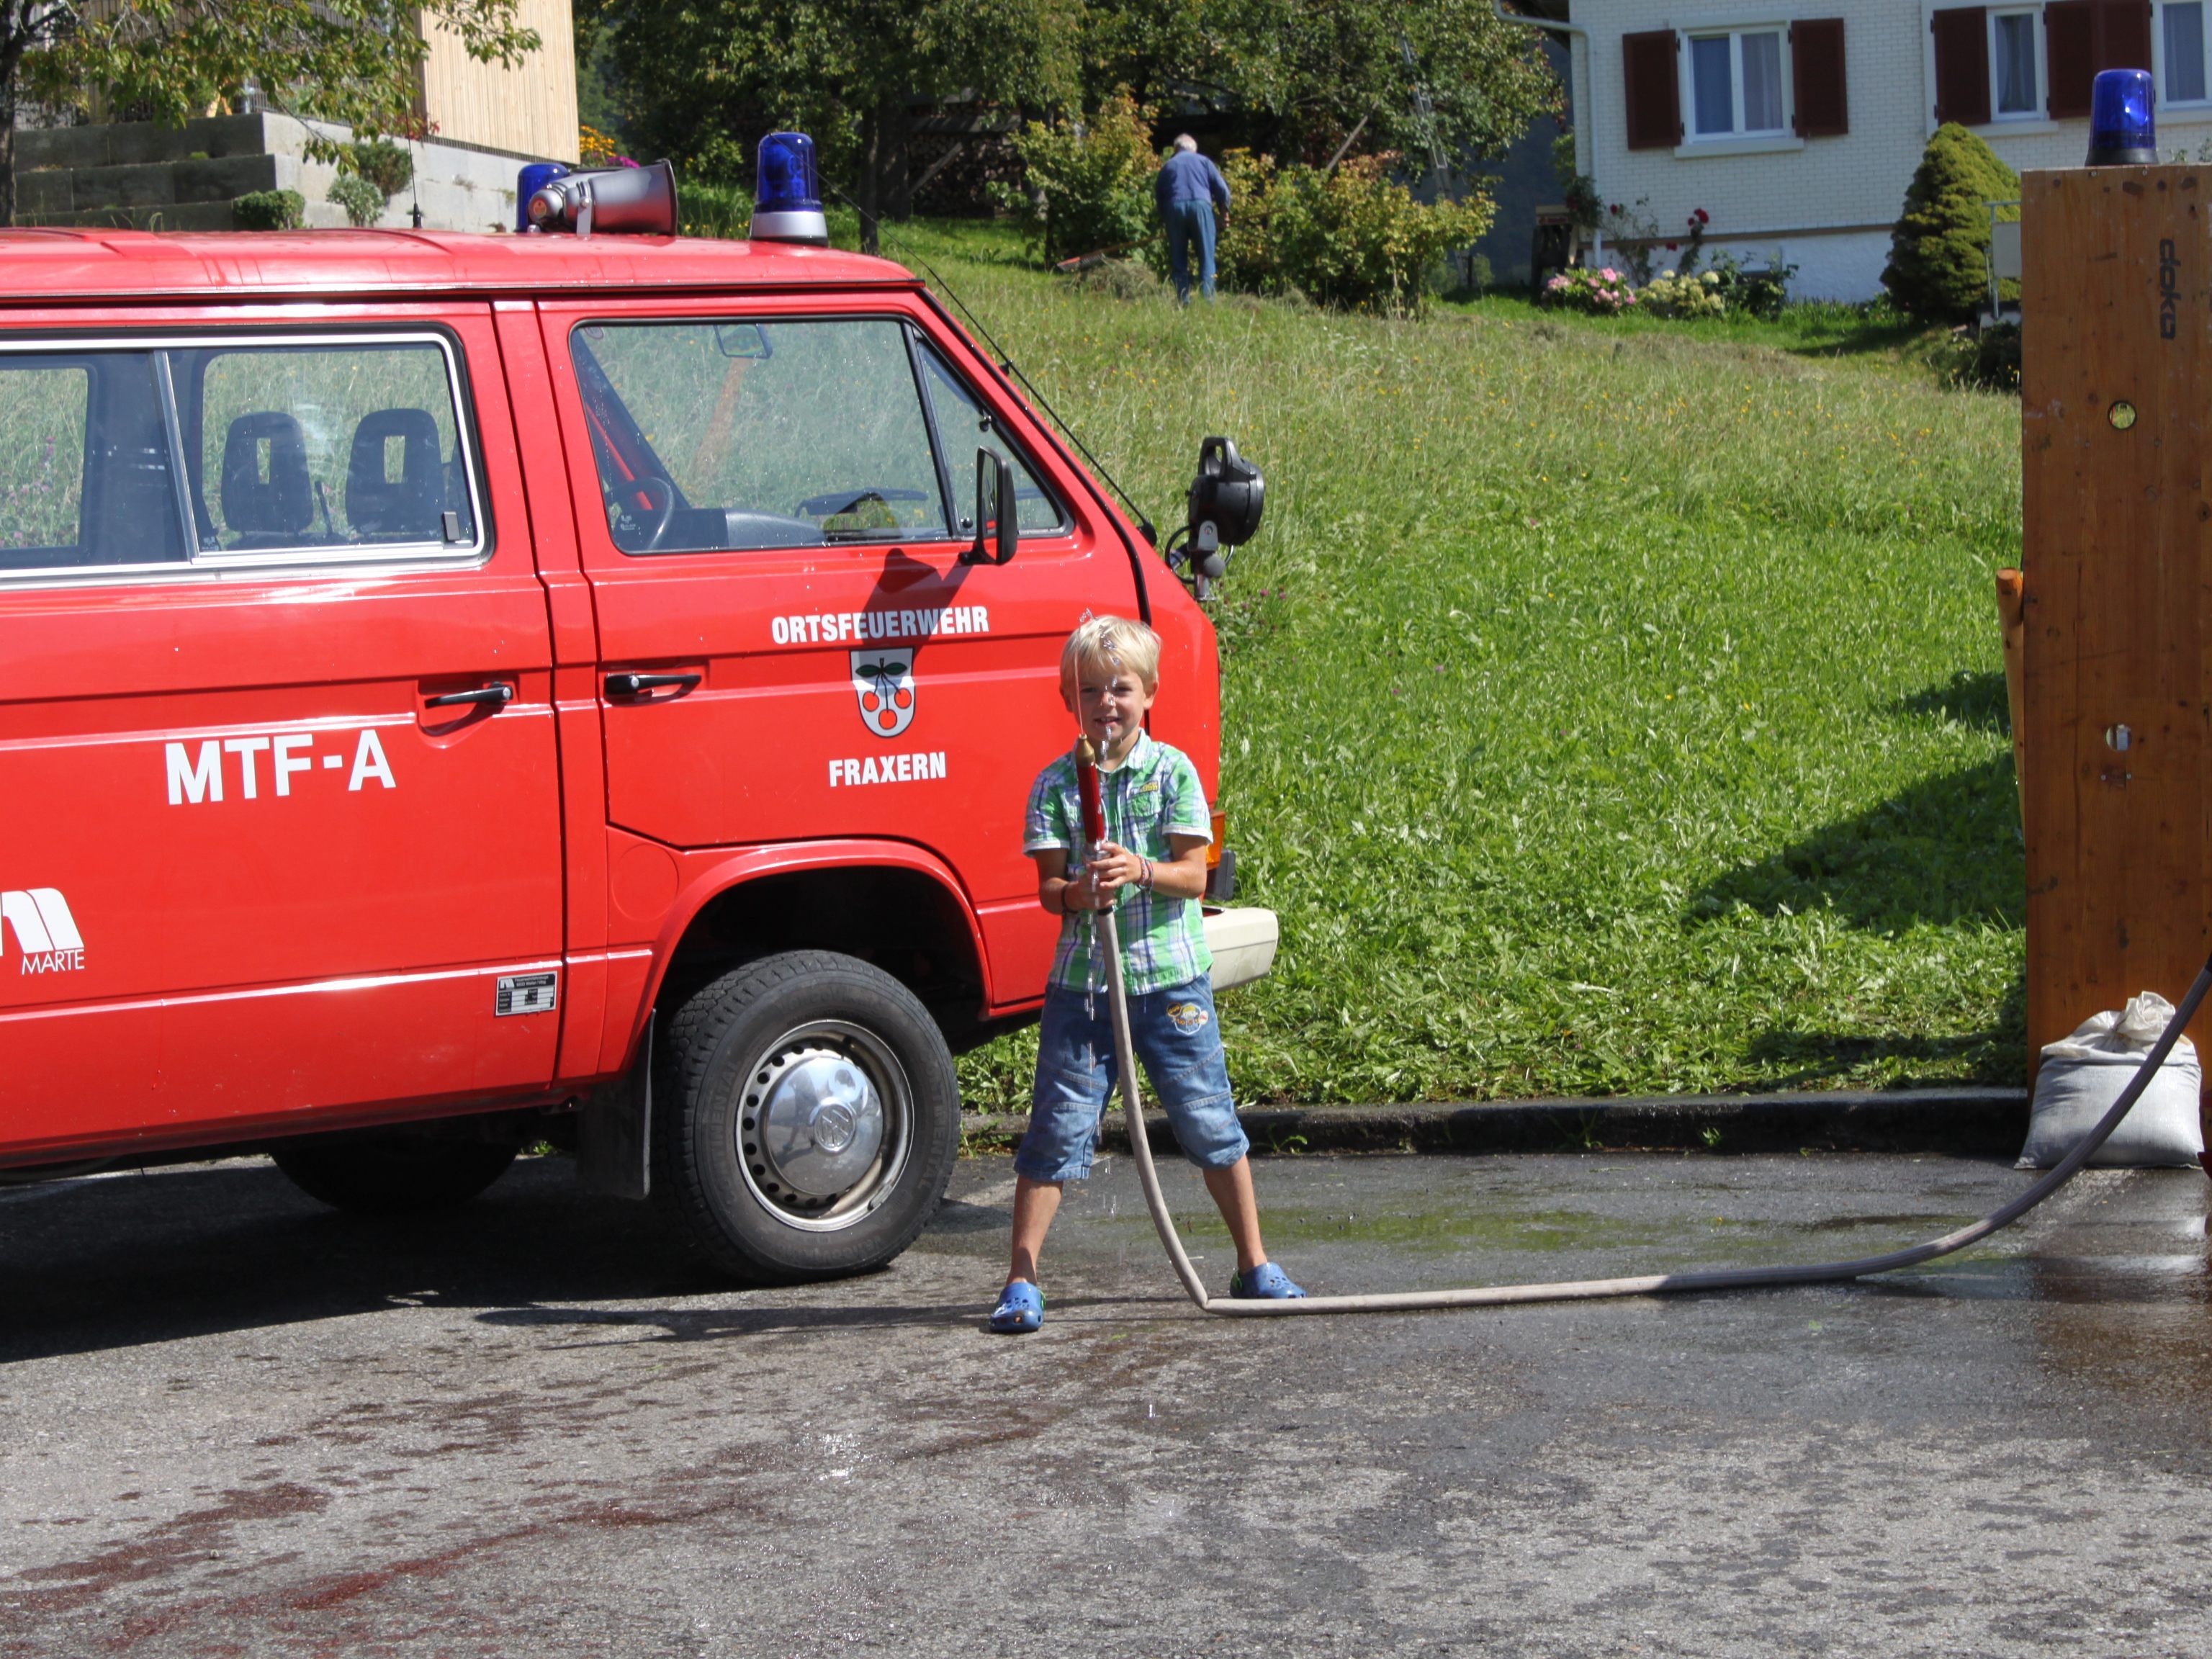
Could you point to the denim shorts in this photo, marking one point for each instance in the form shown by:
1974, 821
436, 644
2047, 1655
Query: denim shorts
1179, 1042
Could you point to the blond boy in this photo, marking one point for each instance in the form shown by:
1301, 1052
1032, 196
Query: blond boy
1151, 872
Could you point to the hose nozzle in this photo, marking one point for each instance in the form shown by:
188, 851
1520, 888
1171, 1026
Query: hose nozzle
1086, 778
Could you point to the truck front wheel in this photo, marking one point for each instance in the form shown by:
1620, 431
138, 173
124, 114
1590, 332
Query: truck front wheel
805, 1118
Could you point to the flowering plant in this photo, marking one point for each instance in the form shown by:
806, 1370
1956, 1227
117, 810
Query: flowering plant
1758, 293
1697, 220
1605, 292
598, 150
1631, 230
1669, 295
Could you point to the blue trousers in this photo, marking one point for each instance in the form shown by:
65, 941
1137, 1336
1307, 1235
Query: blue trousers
1189, 222
1177, 1038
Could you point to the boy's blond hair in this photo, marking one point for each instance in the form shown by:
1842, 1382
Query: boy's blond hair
1110, 641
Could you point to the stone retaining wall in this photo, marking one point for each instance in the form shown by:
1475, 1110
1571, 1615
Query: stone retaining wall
150, 177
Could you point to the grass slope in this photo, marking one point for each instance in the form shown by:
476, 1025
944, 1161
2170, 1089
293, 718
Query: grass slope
1610, 707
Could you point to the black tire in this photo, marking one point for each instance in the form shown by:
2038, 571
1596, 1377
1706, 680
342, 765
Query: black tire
805, 1117
395, 1173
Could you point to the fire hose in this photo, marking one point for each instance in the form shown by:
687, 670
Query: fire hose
1492, 1296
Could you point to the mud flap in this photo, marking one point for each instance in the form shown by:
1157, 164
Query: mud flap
614, 1141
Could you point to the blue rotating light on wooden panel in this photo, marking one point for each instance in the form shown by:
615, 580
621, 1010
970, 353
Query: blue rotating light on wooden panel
2122, 130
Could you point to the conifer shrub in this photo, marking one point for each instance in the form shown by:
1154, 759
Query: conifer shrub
1938, 269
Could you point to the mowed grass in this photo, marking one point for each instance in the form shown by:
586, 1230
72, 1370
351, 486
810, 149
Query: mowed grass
1609, 708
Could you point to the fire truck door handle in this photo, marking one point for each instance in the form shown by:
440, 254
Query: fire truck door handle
634, 685
498, 694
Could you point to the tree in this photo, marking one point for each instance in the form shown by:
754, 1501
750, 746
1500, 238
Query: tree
349, 61
700, 72
1295, 80
1288, 77
1938, 269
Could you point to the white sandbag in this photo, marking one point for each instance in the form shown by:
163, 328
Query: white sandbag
2083, 1075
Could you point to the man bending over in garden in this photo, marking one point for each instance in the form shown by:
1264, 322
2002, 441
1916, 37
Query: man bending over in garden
1190, 189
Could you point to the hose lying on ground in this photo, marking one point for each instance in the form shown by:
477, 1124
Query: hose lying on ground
1711, 1279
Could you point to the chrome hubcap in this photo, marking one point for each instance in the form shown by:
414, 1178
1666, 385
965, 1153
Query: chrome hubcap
823, 1125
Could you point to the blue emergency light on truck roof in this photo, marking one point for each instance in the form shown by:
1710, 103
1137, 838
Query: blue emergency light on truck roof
527, 183
787, 202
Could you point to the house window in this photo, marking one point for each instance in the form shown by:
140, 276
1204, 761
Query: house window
2181, 53
2013, 36
1735, 83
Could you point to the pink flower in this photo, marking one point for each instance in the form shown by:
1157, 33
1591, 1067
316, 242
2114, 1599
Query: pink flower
1610, 274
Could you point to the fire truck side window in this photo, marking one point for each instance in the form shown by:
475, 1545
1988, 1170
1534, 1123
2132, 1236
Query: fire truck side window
962, 428
711, 436
325, 446
85, 479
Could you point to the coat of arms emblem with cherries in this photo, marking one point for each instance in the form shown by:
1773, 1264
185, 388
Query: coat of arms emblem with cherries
883, 682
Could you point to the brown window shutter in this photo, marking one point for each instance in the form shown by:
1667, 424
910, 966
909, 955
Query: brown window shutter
1962, 65
1816, 57
2124, 34
2081, 36
2069, 55
1655, 95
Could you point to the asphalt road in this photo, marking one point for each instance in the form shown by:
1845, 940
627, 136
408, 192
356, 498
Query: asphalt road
231, 1422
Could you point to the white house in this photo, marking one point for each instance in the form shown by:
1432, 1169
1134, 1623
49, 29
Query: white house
1795, 125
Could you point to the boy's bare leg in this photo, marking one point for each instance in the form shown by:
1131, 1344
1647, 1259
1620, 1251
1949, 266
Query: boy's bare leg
1232, 1194
1036, 1203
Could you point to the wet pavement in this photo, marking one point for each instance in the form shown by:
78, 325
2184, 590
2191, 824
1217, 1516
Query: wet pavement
233, 1422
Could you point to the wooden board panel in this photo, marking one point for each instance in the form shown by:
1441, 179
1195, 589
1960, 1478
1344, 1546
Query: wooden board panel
2117, 291
530, 110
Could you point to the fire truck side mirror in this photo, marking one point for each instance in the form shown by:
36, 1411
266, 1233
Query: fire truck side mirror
998, 515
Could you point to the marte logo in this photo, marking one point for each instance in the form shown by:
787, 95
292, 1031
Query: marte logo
883, 682
46, 934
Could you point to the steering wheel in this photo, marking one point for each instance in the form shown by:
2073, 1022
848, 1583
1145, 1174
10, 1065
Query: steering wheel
652, 530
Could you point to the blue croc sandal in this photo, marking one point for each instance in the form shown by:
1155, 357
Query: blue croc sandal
1021, 1309
1266, 1281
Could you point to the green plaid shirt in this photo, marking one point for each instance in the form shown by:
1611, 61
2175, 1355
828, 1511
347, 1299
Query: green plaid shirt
1155, 793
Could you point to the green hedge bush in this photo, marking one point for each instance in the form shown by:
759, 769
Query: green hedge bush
1989, 359
1353, 238
389, 167
362, 201
269, 210
1938, 269
1089, 181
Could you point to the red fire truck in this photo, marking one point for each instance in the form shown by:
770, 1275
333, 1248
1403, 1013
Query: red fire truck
457, 690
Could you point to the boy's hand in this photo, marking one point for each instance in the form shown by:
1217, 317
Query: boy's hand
1113, 867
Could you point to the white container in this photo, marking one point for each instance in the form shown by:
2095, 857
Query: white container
1243, 940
